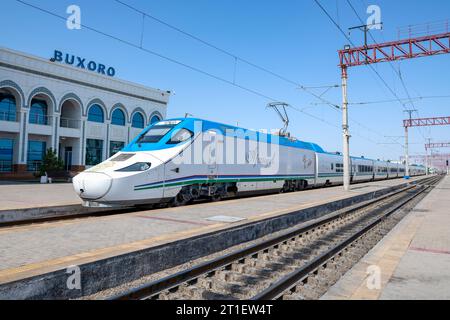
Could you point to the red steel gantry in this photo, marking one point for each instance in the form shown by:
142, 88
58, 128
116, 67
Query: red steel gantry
426, 122
437, 145
396, 50
422, 122
425, 46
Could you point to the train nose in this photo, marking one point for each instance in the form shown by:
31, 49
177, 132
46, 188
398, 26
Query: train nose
92, 185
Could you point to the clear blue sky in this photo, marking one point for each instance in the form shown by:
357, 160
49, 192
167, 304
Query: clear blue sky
291, 37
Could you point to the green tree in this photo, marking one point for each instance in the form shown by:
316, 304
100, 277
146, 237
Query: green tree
51, 162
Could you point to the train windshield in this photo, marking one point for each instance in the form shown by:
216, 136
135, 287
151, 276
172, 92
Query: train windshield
157, 132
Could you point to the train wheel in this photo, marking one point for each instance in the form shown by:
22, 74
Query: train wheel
178, 201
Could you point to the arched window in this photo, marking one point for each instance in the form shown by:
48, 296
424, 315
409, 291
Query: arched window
96, 114
118, 117
7, 107
155, 119
38, 112
138, 121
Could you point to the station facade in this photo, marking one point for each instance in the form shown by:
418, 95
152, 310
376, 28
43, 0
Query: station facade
85, 114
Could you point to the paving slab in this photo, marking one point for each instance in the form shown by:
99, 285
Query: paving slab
16, 196
413, 259
38, 248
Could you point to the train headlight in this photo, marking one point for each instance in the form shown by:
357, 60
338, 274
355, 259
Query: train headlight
136, 167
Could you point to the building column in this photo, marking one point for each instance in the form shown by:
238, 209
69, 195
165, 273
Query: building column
79, 149
82, 151
106, 146
22, 146
55, 135
128, 128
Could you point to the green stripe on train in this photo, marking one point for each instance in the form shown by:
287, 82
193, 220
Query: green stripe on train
200, 181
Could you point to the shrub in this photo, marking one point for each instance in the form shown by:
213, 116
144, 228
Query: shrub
51, 162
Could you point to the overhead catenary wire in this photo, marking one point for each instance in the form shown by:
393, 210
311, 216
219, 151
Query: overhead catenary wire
235, 57
351, 42
418, 98
137, 46
397, 72
246, 61
180, 63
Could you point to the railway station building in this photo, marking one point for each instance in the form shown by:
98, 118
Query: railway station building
70, 104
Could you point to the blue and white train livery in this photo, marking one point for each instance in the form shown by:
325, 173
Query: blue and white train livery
182, 160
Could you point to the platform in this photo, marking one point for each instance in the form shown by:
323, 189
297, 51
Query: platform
413, 259
33, 250
16, 196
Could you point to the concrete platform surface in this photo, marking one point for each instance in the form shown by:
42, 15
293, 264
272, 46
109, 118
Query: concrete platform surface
413, 260
35, 249
16, 196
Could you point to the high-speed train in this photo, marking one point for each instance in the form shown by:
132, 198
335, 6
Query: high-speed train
178, 161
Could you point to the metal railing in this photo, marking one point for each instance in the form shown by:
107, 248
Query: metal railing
40, 119
424, 29
9, 116
6, 166
70, 123
34, 165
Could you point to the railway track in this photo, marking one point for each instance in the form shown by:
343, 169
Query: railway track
300, 264
93, 214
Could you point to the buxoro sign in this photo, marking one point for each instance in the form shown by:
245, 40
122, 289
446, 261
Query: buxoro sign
82, 63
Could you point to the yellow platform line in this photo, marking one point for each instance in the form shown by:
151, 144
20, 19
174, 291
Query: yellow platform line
33, 269
386, 256
75, 220
12, 274
37, 268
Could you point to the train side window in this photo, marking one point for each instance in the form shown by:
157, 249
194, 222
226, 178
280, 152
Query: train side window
181, 136
332, 166
155, 134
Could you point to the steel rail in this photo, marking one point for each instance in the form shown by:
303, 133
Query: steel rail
101, 213
190, 275
277, 289
93, 214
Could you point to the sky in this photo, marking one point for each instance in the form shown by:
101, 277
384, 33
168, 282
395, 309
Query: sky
292, 38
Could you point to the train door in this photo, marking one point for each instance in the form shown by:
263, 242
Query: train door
352, 171
316, 169
212, 153
172, 176
373, 166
